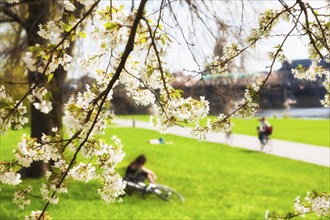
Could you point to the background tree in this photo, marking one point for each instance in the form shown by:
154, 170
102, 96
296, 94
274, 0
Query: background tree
20, 23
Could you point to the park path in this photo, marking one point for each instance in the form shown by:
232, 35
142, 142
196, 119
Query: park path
292, 150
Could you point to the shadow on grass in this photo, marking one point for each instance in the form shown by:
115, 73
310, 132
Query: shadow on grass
247, 151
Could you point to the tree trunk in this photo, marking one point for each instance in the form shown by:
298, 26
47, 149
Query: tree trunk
39, 13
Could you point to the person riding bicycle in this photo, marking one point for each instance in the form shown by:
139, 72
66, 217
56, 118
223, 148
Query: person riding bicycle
136, 172
264, 130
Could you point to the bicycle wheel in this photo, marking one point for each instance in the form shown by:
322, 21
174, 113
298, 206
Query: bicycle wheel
166, 193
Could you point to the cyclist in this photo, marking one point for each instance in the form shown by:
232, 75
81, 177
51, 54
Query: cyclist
137, 172
264, 129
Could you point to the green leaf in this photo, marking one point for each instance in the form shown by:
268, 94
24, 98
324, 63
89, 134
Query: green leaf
46, 57
150, 21
50, 77
34, 49
121, 7
67, 27
73, 37
82, 34
110, 25
163, 40
143, 40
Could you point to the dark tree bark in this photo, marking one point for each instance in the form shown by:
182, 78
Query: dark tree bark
39, 13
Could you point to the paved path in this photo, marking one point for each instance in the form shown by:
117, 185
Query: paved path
296, 151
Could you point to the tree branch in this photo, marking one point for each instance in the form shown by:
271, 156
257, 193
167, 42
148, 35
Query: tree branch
13, 16
103, 95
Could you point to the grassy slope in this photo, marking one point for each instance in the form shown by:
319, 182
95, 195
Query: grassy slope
307, 131
217, 182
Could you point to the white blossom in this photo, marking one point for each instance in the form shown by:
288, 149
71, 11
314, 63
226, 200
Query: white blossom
83, 172
30, 61
51, 31
10, 178
113, 187
47, 191
300, 208
68, 5
176, 110
84, 2
34, 215
12, 1
61, 165
29, 150
20, 197
267, 214
8, 115
40, 99
326, 101
247, 107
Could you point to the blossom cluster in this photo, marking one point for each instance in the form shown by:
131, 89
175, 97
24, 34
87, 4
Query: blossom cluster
218, 65
37, 60
248, 106
40, 98
49, 191
220, 124
278, 54
86, 106
30, 150
36, 215
267, 21
314, 72
113, 187
68, 5
231, 50
9, 177
175, 110
142, 81
317, 203
20, 197
256, 83
83, 172
12, 1
46, 58
9, 115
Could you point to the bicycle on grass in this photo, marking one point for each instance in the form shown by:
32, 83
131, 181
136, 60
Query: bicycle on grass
163, 192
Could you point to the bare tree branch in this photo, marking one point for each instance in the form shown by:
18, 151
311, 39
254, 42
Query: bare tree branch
13, 16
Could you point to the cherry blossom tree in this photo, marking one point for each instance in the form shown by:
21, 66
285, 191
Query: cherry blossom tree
131, 49
20, 24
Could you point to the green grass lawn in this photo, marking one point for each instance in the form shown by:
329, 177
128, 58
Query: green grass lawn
309, 131
218, 182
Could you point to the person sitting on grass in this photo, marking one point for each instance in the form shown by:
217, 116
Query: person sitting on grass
137, 172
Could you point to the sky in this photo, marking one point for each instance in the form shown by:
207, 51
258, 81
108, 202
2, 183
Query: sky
179, 57
294, 48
